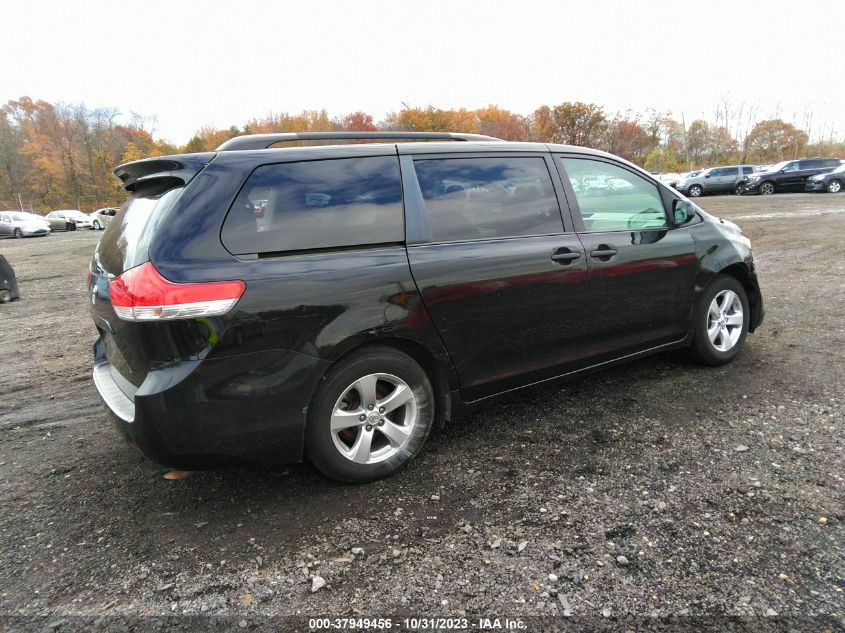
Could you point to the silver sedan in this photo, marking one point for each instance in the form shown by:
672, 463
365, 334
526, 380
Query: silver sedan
19, 224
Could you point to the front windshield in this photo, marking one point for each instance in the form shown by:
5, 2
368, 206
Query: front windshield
19, 217
839, 169
779, 166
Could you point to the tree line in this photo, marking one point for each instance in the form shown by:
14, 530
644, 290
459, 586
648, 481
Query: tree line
62, 155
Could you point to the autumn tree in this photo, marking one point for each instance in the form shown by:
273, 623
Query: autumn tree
775, 139
627, 137
571, 123
503, 124
359, 122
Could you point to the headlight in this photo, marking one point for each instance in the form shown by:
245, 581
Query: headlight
753, 178
817, 178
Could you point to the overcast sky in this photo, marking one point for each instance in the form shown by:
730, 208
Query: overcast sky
194, 63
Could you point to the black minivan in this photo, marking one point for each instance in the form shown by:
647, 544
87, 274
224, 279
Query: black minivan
260, 304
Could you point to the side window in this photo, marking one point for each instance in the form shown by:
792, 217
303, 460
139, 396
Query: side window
317, 204
793, 166
617, 199
730, 171
715, 173
485, 198
809, 164
4, 218
747, 170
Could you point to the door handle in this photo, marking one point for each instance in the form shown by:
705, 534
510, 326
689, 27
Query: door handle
565, 257
603, 251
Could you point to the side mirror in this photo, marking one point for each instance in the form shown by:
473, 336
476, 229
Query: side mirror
682, 212
707, 175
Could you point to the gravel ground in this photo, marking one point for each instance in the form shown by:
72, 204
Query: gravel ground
659, 495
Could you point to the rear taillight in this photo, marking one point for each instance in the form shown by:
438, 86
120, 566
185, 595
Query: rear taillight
142, 294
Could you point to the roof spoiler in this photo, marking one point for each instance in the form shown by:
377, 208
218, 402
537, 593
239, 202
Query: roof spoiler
176, 169
264, 141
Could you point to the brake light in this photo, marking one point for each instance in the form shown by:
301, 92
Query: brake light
142, 294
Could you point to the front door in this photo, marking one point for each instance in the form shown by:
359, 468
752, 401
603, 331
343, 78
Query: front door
642, 270
502, 278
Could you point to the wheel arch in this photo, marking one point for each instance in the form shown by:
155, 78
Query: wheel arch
434, 369
743, 275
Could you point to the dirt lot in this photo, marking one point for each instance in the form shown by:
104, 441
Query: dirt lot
659, 489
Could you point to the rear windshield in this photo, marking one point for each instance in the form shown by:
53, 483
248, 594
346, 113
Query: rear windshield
317, 204
126, 240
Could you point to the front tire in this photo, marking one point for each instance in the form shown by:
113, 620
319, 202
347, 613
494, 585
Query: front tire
370, 416
767, 189
834, 186
71, 227
721, 322
695, 191
96, 225
18, 233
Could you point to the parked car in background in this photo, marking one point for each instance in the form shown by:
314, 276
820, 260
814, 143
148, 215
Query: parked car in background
832, 181
670, 179
21, 224
387, 288
101, 217
715, 180
68, 220
594, 185
789, 175
687, 174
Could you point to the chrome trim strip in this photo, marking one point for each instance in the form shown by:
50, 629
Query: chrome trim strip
119, 403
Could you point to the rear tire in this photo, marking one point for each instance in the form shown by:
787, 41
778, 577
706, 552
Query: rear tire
696, 191
18, 233
767, 188
349, 436
96, 225
5, 296
721, 322
834, 186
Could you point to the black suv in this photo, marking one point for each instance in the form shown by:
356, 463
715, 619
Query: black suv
337, 302
789, 175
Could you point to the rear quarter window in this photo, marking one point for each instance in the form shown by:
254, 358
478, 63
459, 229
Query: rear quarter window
126, 240
316, 205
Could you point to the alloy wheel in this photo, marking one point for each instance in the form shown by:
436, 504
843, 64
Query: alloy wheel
767, 188
18, 233
834, 186
374, 418
724, 320
695, 191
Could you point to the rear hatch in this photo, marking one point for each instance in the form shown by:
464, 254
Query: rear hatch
137, 342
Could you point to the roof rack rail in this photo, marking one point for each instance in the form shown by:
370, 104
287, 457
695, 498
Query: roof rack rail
264, 141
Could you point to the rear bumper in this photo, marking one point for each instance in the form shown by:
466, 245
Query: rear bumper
197, 414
